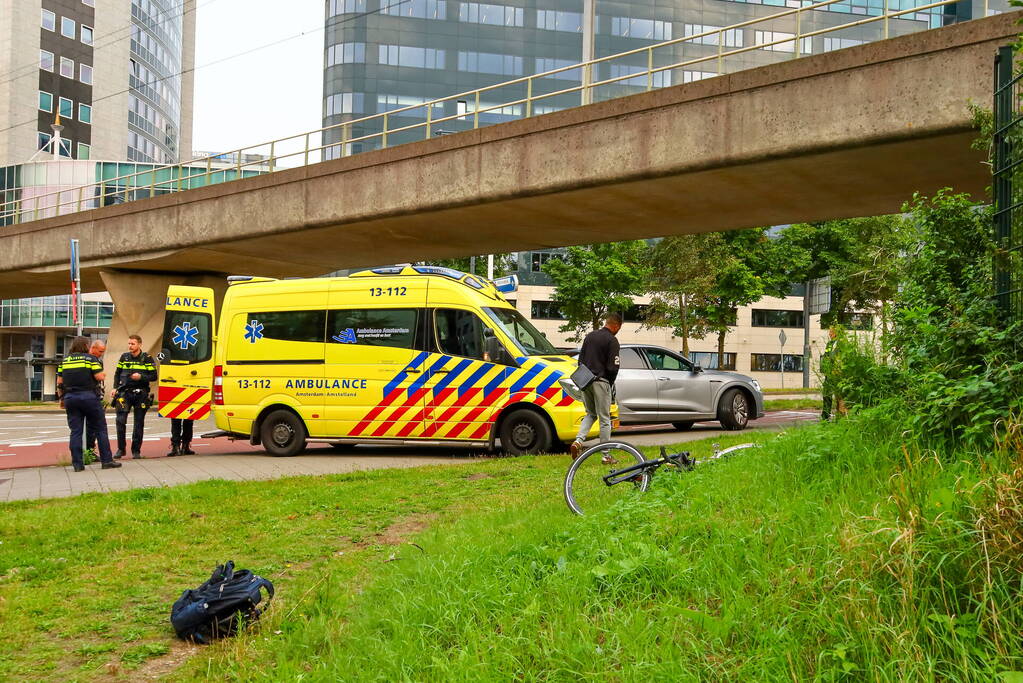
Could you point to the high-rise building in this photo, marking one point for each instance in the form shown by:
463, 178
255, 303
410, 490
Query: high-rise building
383, 55
117, 72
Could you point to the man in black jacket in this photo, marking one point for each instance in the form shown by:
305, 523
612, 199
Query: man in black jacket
135, 370
600, 353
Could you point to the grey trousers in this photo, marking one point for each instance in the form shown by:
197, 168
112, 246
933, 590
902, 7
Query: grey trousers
597, 401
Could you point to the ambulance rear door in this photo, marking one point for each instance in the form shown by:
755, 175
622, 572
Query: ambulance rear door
186, 358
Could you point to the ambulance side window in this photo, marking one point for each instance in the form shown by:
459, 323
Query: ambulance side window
459, 333
301, 326
394, 327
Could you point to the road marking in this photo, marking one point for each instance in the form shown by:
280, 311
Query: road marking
17, 445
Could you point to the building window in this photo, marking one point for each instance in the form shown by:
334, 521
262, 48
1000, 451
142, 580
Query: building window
346, 7
545, 310
48, 20
495, 15
67, 67
346, 53
85, 74
767, 318
490, 63
84, 151
636, 313
648, 29
86, 34
65, 148
660, 79
345, 103
392, 102
761, 37
840, 43
708, 360
549, 64
857, 321
46, 60
771, 362
539, 258
732, 37
552, 20
417, 9
84, 113
67, 108
415, 57
45, 101
67, 27
690, 76
42, 139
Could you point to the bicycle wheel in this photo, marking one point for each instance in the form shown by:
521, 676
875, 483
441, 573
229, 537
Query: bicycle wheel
585, 489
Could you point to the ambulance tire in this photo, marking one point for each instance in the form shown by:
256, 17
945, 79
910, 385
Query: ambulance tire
283, 433
524, 432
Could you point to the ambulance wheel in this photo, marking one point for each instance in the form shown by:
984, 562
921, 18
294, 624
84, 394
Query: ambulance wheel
283, 434
525, 432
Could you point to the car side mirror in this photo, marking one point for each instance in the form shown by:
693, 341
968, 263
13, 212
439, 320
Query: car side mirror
697, 369
494, 350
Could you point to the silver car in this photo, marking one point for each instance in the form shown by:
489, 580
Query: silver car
656, 385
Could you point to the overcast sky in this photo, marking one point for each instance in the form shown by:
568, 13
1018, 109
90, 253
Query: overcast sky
254, 94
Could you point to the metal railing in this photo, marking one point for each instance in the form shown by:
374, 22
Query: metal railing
1007, 186
304, 149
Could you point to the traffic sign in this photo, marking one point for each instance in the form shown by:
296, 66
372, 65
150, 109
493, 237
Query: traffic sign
782, 337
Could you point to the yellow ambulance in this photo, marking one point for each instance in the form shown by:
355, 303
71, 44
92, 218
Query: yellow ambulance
398, 355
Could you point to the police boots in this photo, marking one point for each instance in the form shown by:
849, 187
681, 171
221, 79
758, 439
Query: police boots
174, 451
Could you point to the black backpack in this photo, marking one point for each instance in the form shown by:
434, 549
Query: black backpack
220, 606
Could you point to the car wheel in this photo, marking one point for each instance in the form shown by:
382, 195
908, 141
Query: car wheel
525, 432
683, 426
283, 433
733, 410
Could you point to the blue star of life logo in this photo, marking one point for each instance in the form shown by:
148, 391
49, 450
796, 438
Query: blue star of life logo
185, 336
254, 331
346, 337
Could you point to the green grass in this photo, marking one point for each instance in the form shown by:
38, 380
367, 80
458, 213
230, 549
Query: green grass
29, 404
829, 554
792, 390
792, 404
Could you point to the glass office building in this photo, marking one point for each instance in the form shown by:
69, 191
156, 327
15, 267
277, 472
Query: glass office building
384, 55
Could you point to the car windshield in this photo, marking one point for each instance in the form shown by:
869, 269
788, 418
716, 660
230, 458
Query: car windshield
527, 338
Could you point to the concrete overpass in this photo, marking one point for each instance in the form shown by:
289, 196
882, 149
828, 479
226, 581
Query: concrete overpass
848, 133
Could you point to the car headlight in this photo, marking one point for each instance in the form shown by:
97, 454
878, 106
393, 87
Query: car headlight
756, 385
570, 388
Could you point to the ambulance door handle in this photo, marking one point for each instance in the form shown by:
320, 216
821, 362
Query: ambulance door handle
412, 370
168, 380
437, 372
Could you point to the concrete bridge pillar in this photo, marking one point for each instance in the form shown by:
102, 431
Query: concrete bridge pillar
139, 300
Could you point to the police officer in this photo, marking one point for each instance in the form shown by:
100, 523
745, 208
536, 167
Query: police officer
98, 348
77, 377
135, 370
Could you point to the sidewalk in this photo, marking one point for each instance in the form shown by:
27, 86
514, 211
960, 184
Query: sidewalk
58, 482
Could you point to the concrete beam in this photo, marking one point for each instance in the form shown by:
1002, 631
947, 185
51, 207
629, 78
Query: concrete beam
853, 132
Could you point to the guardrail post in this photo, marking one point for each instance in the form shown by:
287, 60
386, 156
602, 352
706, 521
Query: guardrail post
209, 166
270, 165
429, 119
383, 137
306, 150
886, 19
529, 97
345, 134
476, 112
721, 49
239, 155
799, 16
649, 69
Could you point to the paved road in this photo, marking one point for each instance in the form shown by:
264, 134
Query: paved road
31, 444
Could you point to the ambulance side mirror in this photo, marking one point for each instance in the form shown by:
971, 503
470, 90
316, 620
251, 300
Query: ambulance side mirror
494, 350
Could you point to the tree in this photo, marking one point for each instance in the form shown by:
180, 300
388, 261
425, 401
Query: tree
744, 274
683, 271
594, 280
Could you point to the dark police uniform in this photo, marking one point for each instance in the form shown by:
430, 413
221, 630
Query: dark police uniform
81, 403
132, 396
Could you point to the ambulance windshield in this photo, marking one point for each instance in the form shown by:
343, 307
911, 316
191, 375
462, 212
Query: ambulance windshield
527, 338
